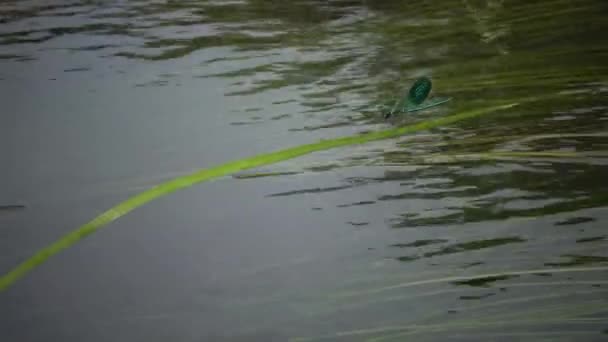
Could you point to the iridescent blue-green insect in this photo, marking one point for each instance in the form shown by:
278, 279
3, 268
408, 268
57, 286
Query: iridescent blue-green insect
416, 97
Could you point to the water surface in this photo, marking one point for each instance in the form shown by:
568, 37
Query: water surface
103, 99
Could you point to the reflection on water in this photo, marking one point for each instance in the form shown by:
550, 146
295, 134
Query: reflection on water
331, 246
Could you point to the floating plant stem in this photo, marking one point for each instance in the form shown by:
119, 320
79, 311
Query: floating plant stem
222, 170
479, 276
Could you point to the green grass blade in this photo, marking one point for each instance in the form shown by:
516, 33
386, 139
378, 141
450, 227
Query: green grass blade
182, 182
464, 278
410, 107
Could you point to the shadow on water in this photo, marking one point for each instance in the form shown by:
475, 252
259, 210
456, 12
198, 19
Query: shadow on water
480, 200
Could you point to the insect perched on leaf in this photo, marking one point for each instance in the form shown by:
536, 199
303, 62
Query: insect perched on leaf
416, 97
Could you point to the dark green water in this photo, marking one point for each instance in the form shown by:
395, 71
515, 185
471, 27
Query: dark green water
493, 229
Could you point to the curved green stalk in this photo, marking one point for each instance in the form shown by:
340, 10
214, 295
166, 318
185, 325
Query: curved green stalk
408, 108
526, 318
178, 183
480, 276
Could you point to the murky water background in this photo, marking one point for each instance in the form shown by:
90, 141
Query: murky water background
102, 99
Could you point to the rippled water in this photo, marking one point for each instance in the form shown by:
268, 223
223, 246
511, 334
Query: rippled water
489, 229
